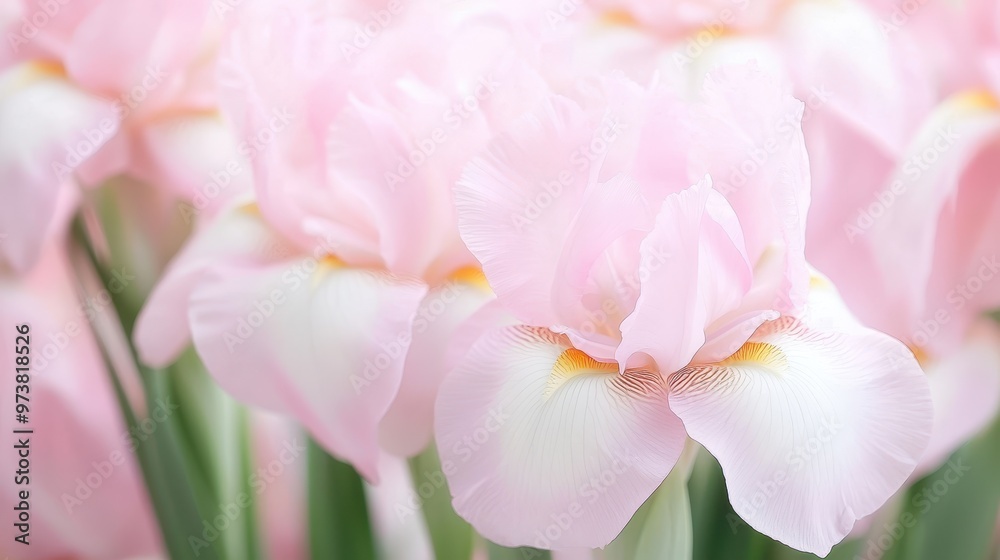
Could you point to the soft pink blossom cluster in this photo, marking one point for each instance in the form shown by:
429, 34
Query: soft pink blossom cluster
559, 239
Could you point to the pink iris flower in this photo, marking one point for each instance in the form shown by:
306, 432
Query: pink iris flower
332, 296
656, 300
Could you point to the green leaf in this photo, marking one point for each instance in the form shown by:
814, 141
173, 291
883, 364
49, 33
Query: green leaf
953, 511
497, 552
251, 538
846, 550
339, 524
160, 452
451, 536
216, 442
718, 531
170, 491
662, 527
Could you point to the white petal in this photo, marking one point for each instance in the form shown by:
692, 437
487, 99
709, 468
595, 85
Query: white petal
324, 344
544, 446
816, 423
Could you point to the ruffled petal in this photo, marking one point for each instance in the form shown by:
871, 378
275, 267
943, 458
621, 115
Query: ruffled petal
694, 269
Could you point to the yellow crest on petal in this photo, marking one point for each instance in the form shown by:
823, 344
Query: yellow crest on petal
571, 363
759, 354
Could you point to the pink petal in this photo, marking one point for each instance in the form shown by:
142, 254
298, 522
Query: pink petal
48, 128
592, 294
401, 172
196, 157
316, 341
407, 427
751, 143
491, 315
280, 446
965, 387
239, 237
694, 269
142, 60
397, 518
87, 497
916, 236
515, 206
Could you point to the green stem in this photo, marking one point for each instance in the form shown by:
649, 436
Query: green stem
339, 525
159, 452
252, 545
451, 536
